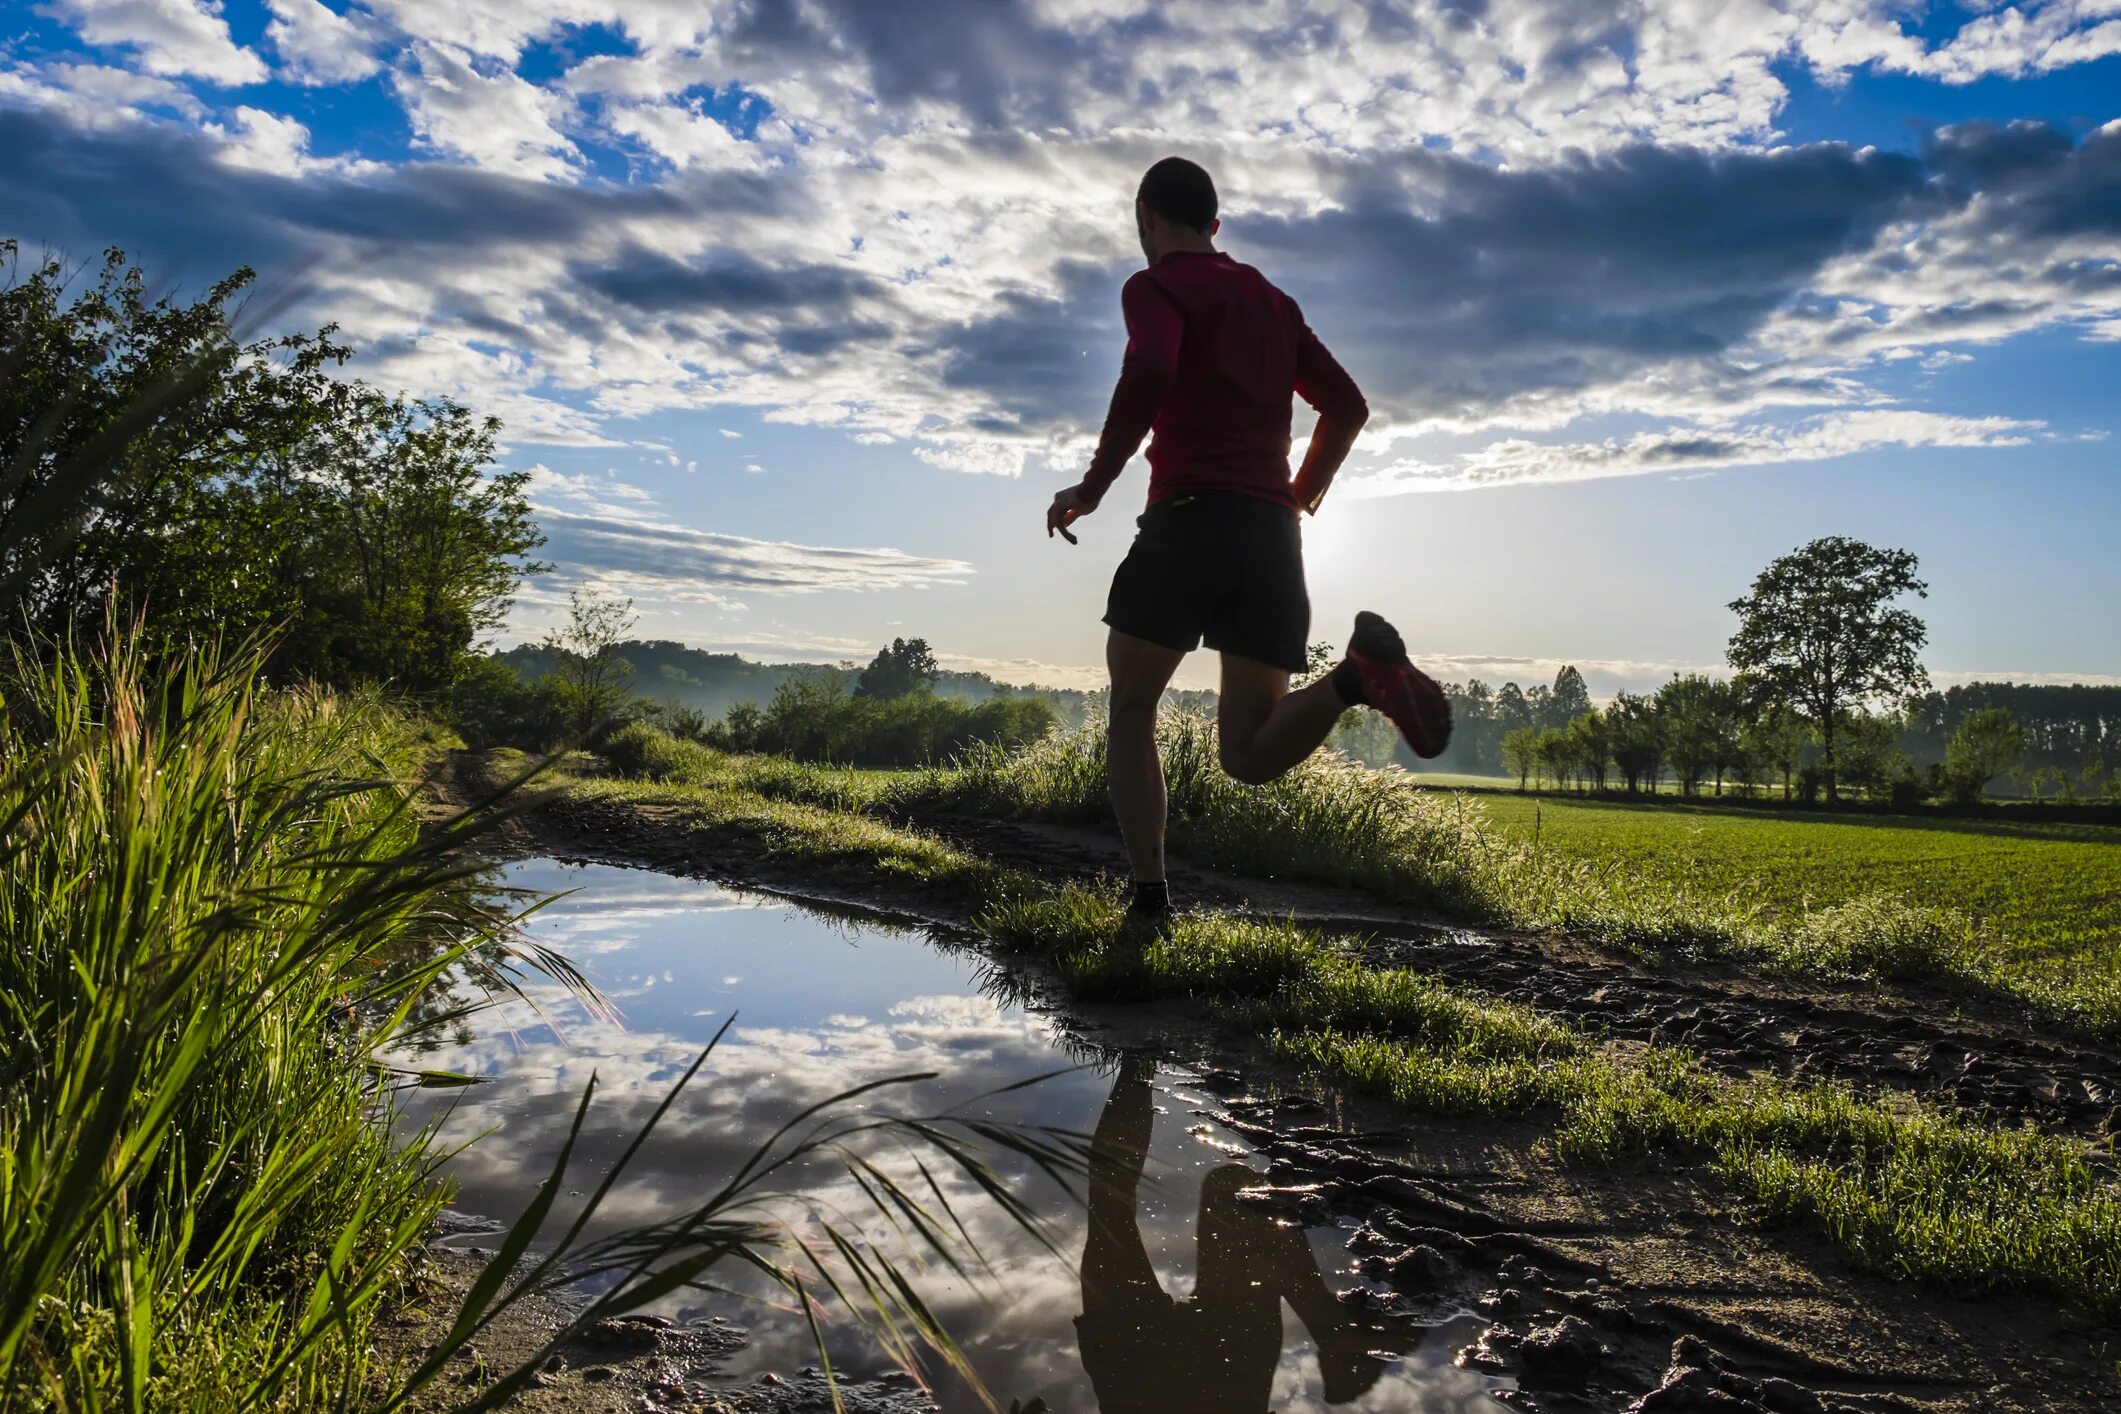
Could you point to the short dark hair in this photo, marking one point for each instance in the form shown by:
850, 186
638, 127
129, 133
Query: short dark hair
1180, 191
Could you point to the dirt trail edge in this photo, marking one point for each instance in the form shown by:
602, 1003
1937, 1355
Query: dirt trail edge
1608, 1288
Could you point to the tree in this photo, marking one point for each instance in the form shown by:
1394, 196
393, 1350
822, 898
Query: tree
1871, 754
1820, 633
1987, 744
1539, 707
1591, 741
906, 666
1637, 733
411, 547
592, 676
1551, 749
1511, 710
1699, 718
1776, 738
1520, 753
221, 490
1571, 699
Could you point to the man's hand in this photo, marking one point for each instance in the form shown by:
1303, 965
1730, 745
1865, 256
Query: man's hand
1069, 506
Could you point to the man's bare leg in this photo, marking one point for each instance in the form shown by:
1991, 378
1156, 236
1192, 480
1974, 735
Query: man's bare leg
1141, 670
1264, 728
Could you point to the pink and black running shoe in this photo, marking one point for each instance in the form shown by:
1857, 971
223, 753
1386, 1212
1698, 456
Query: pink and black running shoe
1395, 687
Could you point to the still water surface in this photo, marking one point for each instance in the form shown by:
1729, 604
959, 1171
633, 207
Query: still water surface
1171, 1293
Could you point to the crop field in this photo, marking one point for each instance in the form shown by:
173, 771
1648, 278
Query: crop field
2039, 890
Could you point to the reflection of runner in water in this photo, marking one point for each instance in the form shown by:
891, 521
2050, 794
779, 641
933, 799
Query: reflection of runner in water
1218, 1350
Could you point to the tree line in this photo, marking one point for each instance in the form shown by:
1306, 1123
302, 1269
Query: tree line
1828, 694
580, 685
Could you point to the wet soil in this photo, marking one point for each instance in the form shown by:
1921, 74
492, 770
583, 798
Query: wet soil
643, 1364
1616, 1288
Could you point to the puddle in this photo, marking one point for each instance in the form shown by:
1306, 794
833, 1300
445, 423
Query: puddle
823, 1004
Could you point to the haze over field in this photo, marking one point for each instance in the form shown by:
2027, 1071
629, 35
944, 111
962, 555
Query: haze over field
800, 312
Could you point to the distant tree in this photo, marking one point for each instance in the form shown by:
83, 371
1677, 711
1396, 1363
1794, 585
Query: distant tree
1698, 721
1775, 737
906, 666
1572, 699
1511, 710
1520, 753
1551, 749
1820, 633
1592, 747
1987, 744
1637, 734
1368, 737
592, 676
1871, 754
1539, 707
740, 729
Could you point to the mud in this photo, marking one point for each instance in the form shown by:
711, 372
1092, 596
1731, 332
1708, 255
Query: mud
1607, 1289
1957, 1052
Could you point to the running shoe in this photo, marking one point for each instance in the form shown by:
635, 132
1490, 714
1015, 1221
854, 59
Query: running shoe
1395, 687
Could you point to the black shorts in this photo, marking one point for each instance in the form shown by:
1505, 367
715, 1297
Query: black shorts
1221, 567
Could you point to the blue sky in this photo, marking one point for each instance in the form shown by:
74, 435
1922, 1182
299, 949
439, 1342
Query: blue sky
800, 313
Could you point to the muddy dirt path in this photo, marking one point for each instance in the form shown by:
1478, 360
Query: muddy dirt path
1607, 1289
1960, 1052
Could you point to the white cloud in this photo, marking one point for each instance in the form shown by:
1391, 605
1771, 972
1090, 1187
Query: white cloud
268, 142
1505, 224
319, 45
1514, 461
682, 135
172, 37
97, 95
493, 117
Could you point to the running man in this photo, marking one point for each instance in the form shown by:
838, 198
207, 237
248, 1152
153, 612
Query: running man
1214, 354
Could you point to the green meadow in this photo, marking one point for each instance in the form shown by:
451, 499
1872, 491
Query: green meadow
2035, 889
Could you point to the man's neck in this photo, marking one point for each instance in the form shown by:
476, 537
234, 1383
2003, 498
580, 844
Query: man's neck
1193, 245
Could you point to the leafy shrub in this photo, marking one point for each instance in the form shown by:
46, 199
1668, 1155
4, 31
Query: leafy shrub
645, 750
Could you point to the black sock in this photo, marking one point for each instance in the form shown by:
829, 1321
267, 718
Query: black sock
1347, 683
1156, 896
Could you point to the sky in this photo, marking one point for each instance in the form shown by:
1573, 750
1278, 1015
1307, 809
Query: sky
799, 311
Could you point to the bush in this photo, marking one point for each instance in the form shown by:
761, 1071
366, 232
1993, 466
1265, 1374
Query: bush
492, 706
645, 750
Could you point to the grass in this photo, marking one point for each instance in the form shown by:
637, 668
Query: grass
1902, 1188
214, 908
1331, 821
217, 915
2037, 890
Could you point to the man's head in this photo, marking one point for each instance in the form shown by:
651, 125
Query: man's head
1175, 208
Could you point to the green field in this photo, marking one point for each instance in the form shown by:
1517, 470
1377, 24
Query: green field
2037, 889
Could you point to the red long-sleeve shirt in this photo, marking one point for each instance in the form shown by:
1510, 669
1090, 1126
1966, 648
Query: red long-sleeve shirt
1214, 352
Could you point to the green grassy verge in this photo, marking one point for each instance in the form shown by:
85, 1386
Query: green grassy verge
1902, 1188
214, 910
1330, 821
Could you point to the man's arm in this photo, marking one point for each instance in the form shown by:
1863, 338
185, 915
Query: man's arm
1154, 331
1326, 386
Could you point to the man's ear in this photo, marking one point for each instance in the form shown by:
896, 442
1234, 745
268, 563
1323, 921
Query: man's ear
1214, 226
